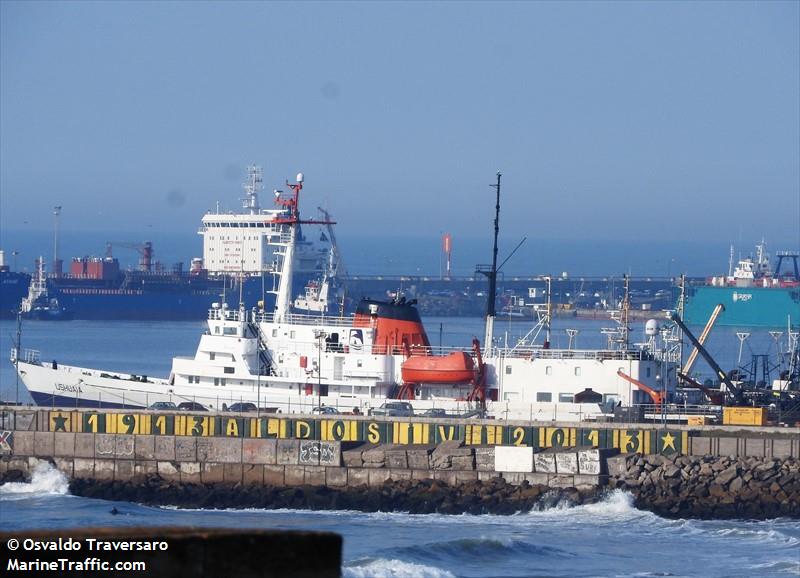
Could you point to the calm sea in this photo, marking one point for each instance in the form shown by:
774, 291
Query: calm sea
607, 539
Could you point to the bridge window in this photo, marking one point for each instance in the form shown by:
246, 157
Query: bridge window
565, 398
548, 370
212, 355
544, 396
228, 370
577, 371
508, 370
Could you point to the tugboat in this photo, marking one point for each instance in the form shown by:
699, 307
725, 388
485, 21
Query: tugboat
39, 305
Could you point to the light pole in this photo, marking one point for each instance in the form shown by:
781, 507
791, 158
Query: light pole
320, 334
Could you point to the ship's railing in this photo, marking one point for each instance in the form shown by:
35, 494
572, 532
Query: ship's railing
589, 354
304, 319
31, 356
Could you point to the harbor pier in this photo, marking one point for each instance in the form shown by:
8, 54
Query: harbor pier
366, 462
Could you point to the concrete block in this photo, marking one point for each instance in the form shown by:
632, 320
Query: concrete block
419, 458
104, 469
314, 476
169, 471
567, 463
309, 453
3, 464
377, 476
465, 476
65, 466
336, 477
84, 445
330, 454
352, 458
288, 452
562, 481
253, 474
375, 457
83, 468
513, 459
586, 481
24, 421
618, 465
190, 472
537, 479
447, 477
485, 476
212, 473
294, 475
755, 447
397, 459
104, 445
43, 444
165, 448
258, 451
219, 450
514, 478
274, 475
357, 477
728, 447
123, 470
544, 463
144, 468
232, 473
23, 443
699, 446
593, 461
64, 444
421, 474
400, 475
144, 447
484, 459
781, 448
123, 446
463, 463
185, 449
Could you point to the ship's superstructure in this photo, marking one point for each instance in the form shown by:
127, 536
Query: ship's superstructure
278, 359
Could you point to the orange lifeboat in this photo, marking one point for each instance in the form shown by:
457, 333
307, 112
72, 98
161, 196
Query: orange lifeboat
456, 367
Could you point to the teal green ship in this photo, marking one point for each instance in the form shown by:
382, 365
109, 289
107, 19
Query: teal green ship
753, 296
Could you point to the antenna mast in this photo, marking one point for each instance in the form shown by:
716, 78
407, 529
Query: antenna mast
491, 298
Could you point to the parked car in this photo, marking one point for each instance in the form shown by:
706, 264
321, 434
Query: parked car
324, 409
394, 408
242, 407
435, 412
164, 406
191, 406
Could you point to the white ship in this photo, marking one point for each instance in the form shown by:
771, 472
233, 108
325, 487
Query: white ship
297, 363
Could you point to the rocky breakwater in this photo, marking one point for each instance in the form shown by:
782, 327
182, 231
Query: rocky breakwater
710, 486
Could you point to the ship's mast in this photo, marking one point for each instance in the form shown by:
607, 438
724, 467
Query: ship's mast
283, 300
491, 298
251, 189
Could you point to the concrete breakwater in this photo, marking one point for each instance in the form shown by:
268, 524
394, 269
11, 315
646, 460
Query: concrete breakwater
406, 464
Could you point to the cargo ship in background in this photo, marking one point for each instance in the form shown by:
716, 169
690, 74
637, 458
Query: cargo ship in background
13, 288
237, 265
752, 294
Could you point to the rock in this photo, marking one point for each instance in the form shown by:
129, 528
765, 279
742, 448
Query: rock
671, 471
736, 485
727, 475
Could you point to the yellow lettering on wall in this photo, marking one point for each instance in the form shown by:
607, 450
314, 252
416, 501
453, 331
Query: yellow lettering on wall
518, 436
302, 430
373, 433
232, 428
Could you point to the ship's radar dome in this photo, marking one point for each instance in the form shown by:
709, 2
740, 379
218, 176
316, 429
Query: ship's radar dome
299, 177
651, 327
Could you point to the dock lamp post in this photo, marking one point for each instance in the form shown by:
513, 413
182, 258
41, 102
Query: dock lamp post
321, 335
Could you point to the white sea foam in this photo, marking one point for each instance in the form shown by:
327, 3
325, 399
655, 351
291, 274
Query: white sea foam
383, 568
45, 480
759, 535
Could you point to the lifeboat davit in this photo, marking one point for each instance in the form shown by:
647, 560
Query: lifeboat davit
457, 367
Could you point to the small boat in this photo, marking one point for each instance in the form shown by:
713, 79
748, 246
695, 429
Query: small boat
457, 367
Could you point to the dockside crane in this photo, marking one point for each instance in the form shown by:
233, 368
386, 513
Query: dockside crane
735, 393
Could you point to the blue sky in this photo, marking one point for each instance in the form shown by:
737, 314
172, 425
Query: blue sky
631, 120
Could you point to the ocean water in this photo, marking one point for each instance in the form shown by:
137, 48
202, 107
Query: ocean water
147, 347
610, 538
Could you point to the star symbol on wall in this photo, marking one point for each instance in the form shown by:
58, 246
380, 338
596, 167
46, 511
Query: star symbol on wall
668, 442
60, 423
